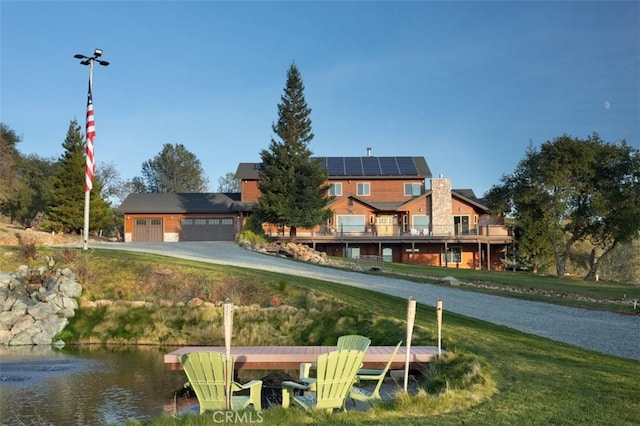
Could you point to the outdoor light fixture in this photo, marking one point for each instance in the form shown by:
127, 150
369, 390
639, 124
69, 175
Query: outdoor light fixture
86, 60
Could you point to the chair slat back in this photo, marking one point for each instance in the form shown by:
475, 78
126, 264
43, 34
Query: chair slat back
353, 341
336, 374
206, 372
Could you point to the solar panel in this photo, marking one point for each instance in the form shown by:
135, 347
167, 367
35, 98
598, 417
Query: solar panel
407, 166
371, 166
353, 166
335, 166
389, 166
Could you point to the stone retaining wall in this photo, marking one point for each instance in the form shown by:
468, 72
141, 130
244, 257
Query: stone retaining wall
35, 304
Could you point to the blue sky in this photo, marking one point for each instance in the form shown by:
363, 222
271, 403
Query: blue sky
467, 85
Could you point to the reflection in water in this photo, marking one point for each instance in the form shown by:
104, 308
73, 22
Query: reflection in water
84, 385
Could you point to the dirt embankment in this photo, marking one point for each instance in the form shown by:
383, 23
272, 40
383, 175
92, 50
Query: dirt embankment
12, 235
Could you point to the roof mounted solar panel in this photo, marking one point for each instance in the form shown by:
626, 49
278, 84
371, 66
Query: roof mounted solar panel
389, 166
335, 166
407, 166
371, 166
353, 166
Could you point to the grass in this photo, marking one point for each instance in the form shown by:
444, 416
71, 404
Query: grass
493, 375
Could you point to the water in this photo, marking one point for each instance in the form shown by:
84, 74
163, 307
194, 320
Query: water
87, 385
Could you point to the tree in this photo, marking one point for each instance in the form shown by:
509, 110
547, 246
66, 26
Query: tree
229, 183
9, 155
30, 200
173, 170
571, 190
67, 211
293, 188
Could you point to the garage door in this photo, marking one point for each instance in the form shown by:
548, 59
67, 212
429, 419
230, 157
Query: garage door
147, 231
211, 229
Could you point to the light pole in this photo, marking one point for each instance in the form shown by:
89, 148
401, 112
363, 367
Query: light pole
90, 133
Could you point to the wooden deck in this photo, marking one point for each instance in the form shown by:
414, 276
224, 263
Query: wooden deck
290, 357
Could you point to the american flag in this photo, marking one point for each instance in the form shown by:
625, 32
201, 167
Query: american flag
91, 133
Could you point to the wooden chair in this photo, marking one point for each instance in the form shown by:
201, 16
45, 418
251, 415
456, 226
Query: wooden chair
207, 374
346, 342
364, 374
336, 373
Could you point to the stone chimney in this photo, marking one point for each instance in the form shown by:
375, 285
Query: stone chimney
368, 151
441, 213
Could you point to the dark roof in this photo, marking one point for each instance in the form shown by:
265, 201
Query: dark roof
183, 203
470, 196
358, 167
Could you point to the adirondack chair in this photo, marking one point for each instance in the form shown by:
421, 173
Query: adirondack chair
346, 342
359, 394
336, 374
207, 374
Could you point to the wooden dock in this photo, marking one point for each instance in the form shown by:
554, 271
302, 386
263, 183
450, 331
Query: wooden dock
290, 357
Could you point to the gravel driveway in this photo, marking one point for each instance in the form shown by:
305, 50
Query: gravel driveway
600, 331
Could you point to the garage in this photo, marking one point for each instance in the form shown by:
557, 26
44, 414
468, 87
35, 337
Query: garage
147, 230
207, 229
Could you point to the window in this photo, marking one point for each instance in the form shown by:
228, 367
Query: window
335, 189
412, 189
421, 223
363, 188
461, 224
454, 255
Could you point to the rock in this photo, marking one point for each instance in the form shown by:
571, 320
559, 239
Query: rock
35, 304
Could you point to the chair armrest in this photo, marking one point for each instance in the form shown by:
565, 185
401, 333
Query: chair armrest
248, 385
287, 390
294, 385
370, 371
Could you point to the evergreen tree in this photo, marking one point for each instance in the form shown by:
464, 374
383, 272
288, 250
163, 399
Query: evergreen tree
66, 213
293, 188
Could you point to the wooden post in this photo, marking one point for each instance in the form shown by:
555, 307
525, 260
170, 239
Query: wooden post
228, 327
411, 315
439, 320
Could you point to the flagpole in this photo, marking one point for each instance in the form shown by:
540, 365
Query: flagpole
87, 191
90, 134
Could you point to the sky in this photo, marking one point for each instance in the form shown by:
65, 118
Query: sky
468, 85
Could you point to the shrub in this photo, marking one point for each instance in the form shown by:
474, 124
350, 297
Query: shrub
28, 248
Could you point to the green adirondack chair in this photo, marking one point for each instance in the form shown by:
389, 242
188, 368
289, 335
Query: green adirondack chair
207, 374
328, 391
347, 342
365, 374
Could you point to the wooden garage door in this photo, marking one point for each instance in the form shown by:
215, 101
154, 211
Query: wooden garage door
209, 229
147, 231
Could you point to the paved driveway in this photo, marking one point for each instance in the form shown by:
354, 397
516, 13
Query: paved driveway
605, 332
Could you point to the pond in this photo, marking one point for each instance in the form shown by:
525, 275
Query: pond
85, 385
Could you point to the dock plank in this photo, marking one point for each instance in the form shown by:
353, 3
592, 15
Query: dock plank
290, 357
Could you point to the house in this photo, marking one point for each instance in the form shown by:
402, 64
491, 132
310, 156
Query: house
389, 207
392, 207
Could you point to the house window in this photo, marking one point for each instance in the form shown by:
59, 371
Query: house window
335, 189
421, 223
363, 188
412, 189
453, 255
461, 225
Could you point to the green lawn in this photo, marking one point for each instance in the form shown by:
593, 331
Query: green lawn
493, 376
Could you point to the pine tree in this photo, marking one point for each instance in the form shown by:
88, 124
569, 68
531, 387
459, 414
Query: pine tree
293, 186
67, 211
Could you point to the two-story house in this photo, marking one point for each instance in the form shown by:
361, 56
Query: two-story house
389, 207
393, 208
